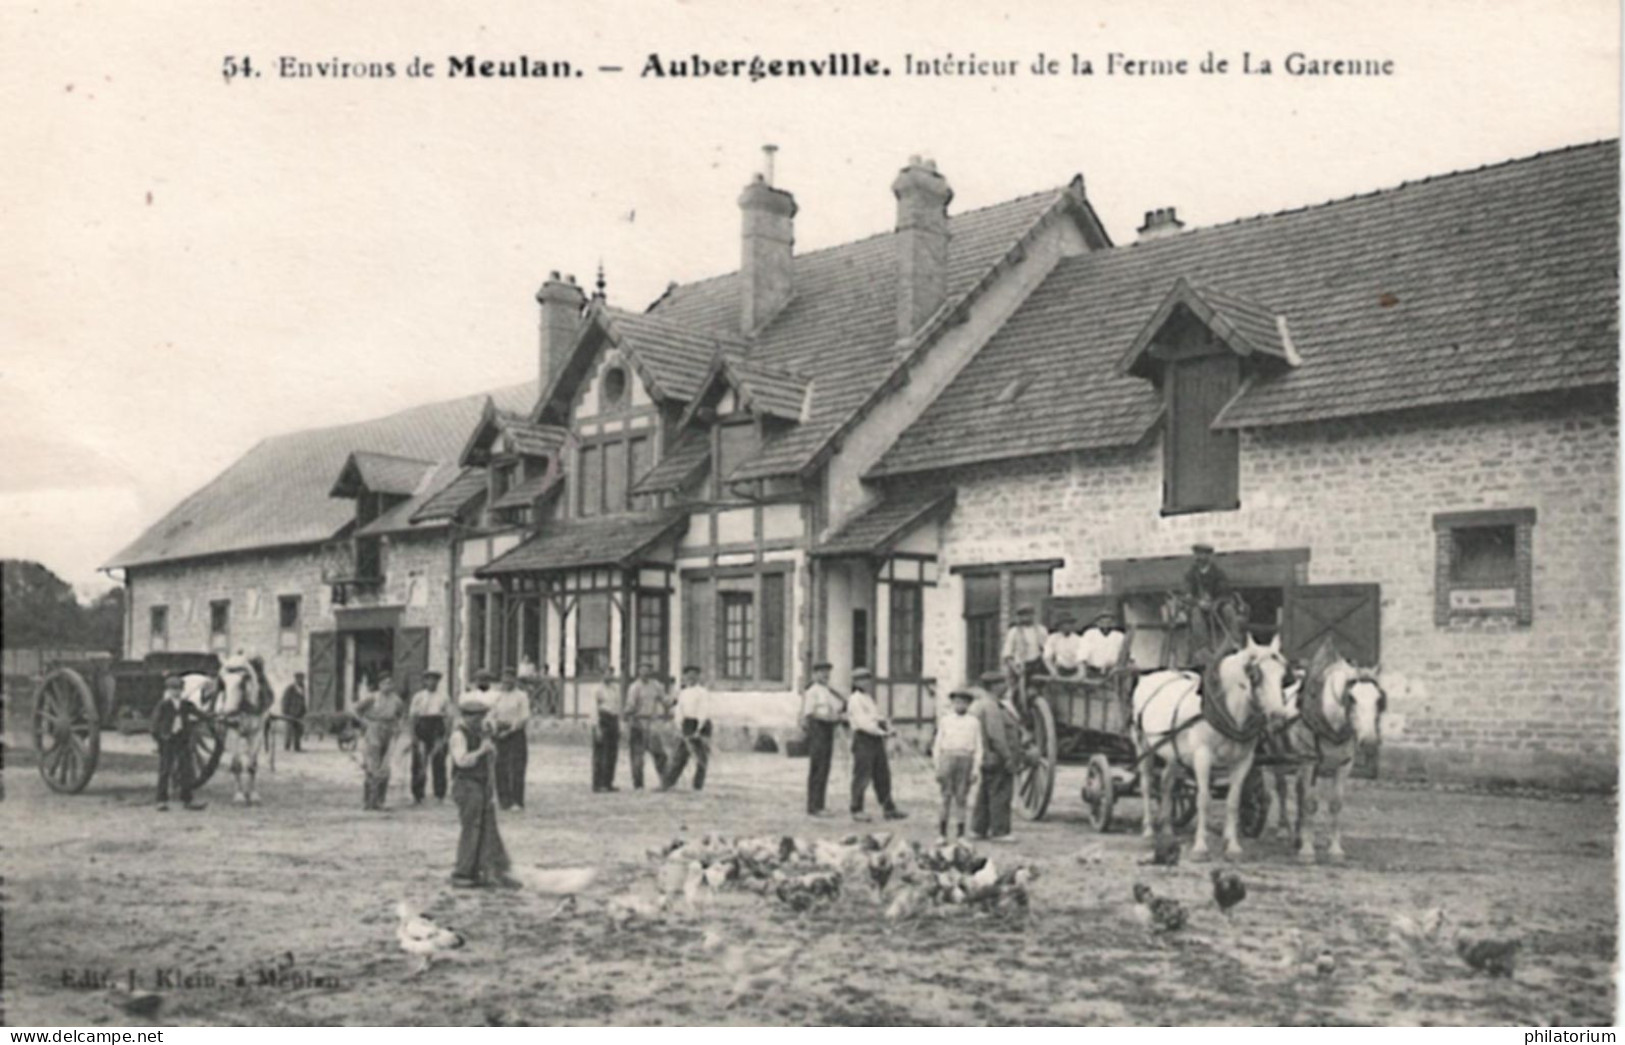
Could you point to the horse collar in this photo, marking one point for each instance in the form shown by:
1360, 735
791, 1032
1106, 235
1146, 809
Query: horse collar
1218, 715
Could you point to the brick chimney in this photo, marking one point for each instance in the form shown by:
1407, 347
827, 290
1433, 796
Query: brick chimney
767, 247
561, 302
1160, 223
922, 243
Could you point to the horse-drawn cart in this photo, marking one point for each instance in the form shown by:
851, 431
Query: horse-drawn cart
1086, 721
76, 700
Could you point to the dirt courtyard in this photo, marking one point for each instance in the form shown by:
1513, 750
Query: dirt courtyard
298, 897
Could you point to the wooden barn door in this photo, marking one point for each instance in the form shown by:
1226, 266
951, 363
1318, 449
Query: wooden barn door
411, 658
1350, 615
324, 672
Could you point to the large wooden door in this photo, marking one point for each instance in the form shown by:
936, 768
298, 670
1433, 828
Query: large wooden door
411, 658
324, 671
1350, 615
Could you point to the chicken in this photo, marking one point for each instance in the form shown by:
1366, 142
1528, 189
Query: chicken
1421, 933
1159, 914
880, 872
754, 973
981, 883
1090, 854
803, 891
134, 1002
718, 874
1325, 964
1228, 889
628, 908
694, 885
422, 937
907, 904
556, 881
670, 877
1494, 956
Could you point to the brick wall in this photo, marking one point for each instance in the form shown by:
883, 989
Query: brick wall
1485, 697
416, 578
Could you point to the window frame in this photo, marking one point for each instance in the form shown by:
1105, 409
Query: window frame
907, 650
1447, 608
224, 634
714, 661
1006, 573
595, 667
283, 631
158, 628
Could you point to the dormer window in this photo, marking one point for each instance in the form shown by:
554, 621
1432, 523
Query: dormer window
1201, 465
615, 385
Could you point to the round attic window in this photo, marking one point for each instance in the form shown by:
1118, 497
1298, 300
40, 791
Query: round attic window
614, 385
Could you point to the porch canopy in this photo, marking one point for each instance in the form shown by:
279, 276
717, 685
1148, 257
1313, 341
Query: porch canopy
879, 529
620, 540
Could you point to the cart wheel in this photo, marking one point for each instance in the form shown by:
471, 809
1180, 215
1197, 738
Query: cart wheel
1184, 804
1036, 784
1099, 793
208, 744
67, 734
1255, 805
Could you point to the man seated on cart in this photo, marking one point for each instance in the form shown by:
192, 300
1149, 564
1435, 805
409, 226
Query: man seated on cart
1213, 616
1101, 646
1063, 650
1023, 653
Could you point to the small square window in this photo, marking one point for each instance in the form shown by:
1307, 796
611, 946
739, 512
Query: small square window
158, 628
220, 626
288, 612
1485, 566
1484, 556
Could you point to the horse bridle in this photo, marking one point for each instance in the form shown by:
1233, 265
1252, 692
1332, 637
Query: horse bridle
1346, 698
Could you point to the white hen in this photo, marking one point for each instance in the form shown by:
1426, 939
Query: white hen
556, 881
423, 937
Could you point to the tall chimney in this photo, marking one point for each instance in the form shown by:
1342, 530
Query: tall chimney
1160, 223
923, 196
768, 244
561, 302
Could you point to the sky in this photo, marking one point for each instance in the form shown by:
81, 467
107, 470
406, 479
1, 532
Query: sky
193, 263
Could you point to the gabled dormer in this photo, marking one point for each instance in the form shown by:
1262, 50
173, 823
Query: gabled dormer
1199, 348
377, 483
522, 463
741, 406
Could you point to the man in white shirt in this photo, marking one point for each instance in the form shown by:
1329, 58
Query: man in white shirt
1063, 650
427, 723
694, 718
1102, 644
869, 763
1024, 650
606, 731
509, 715
821, 711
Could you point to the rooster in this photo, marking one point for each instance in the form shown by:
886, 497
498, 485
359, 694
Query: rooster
423, 937
1420, 933
1159, 914
1494, 956
1228, 889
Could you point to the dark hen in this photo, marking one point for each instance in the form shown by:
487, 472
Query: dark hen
1228, 889
1493, 956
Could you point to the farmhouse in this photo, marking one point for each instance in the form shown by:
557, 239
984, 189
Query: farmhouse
1394, 414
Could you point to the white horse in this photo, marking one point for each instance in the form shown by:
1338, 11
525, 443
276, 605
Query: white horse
1340, 710
1190, 722
242, 707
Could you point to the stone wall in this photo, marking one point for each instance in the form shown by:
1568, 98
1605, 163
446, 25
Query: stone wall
1484, 698
416, 579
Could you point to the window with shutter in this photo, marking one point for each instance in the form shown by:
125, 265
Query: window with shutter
1201, 467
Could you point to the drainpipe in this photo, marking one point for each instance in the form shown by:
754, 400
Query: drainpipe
451, 617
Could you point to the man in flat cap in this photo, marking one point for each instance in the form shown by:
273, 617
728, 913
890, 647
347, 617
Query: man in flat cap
172, 723
821, 711
1209, 592
1024, 651
510, 714
380, 711
481, 857
869, 762
1063, 649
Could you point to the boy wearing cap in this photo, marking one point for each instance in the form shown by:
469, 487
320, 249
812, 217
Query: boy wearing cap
957, 755
380, 711
510, 711
481, 857
172, 722
428, 725
869, 763
821, 711
693, 715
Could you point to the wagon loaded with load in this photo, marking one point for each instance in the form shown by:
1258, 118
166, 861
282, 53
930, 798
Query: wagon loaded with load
76, 700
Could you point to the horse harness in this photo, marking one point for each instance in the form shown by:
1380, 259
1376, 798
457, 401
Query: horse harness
1213, 712
1321, 730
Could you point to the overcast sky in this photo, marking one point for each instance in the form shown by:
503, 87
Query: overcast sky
191, 265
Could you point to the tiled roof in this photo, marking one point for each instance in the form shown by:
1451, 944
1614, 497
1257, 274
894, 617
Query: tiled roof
526, 492
451, 499
839, 329
561, 545
380, 473
770, 390
884, 524
404, 517
533, 439
277, 493
687, 456
1470, 286
675, 358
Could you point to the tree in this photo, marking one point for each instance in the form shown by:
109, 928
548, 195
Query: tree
42, 612
104, 622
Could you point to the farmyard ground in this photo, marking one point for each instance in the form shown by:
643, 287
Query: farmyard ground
101, 882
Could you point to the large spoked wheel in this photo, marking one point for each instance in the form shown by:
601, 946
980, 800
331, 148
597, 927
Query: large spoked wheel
1099, 793
1255, 805
208, 744
1036, 783
67, 732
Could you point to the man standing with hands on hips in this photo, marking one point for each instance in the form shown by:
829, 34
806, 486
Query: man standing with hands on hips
821, 711
645, 704
606, 732
869, 763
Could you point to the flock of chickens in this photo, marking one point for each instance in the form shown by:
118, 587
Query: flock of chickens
905, 877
